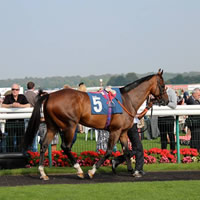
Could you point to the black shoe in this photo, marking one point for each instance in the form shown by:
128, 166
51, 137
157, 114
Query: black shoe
114, 166
142, 172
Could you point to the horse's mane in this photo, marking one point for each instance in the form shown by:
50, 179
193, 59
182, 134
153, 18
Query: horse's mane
134, 84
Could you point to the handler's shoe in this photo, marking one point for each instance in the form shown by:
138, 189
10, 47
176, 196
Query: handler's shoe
137, 174
142, 172
114, 166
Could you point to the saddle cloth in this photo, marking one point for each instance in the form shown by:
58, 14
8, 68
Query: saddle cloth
100, 102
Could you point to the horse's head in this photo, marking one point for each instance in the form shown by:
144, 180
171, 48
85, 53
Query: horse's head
159, 91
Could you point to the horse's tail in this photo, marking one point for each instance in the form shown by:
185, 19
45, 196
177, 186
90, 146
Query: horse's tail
34, 122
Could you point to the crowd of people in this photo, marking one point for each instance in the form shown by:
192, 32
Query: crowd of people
160, 126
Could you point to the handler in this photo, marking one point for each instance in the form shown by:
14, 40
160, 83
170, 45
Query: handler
137, 148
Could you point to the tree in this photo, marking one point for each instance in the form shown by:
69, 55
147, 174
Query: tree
130, 77
122, 80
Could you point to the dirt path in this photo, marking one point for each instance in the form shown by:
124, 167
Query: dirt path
99, 178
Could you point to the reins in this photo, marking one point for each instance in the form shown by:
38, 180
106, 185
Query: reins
140, 115
124, 108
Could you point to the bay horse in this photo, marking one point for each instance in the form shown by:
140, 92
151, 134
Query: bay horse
65, 109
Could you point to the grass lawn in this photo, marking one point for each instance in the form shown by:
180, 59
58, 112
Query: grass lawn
178, 190
158, 190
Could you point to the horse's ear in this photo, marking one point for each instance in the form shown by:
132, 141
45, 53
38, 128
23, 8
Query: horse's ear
160, 72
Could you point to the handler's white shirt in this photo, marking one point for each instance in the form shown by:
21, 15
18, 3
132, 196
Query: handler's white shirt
136, 120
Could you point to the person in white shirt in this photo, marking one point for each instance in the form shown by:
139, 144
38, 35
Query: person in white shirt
166, 123
137, 147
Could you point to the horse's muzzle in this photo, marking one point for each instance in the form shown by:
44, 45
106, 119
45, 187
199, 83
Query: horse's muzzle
163, 102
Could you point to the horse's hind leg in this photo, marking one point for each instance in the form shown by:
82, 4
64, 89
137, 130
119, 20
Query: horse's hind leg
45, 143
66, 147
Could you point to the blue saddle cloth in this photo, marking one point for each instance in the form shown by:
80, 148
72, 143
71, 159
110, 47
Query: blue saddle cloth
99, 104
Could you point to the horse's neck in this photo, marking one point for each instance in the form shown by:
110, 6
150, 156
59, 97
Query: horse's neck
139, 94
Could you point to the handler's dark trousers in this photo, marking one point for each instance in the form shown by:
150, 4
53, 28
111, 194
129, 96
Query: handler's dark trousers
137, 149
166, 126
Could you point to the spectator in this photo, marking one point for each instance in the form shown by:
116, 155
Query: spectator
185, 96
31, 97
180, 99
30, 94
15, 100
82, 87
15, 127
166, 123
42, 132
66, 86
194, 126
152, 123
102, 139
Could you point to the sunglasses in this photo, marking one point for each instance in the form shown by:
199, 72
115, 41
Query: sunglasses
15, 89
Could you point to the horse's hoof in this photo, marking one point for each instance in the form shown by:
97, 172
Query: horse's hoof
80, 175
90, 174
45, 178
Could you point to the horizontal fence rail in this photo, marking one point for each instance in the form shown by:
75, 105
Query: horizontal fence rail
19, 113
181, 110
25, 113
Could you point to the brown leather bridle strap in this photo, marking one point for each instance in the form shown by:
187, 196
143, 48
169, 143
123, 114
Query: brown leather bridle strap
124, 108
140, 115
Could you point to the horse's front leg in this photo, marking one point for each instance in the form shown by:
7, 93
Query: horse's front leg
100, 162
113, 138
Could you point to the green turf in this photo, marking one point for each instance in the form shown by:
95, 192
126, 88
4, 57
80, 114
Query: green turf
179, 190
165, 190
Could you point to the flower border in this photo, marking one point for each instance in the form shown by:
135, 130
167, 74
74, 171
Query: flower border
89, 158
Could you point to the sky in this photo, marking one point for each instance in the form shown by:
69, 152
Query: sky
45, 38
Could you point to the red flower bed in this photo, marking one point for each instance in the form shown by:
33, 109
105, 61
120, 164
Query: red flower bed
89, 158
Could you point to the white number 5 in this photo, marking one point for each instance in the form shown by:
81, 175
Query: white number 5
97, 104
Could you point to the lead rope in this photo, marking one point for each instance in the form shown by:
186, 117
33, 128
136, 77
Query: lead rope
140, 115
124, 108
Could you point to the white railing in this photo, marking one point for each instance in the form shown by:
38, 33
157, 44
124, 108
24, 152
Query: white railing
15, 113
25, 113
180, 110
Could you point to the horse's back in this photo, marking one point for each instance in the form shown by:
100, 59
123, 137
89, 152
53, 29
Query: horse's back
68, 98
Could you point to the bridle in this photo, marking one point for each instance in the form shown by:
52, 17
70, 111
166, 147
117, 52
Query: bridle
162, 91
